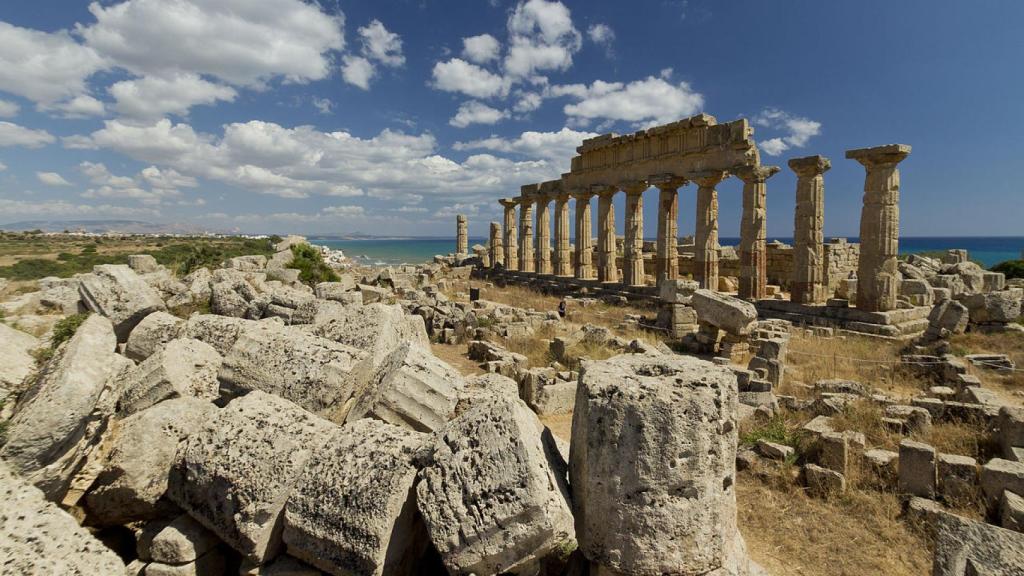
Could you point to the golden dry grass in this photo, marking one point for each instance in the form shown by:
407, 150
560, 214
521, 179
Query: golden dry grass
1009, 387
793, 534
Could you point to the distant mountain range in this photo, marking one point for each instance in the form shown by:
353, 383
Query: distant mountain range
102, 226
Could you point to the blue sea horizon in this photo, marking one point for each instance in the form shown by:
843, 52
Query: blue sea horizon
988, 250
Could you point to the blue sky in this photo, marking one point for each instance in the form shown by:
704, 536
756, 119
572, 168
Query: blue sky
390, 117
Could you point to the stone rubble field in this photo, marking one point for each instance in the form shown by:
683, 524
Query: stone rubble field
282, 429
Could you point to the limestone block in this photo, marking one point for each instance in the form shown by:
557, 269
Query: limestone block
949, 317
210, 564
16, 360
353, 510
218, 331
957, 477
1001, 306
337, 291
834, 452
236, 473
281, 259
774, 451
53, 417
1010, 424
656, 499
283, 565
965, 547
1011, 511
137, 454
999, 475
377, 329
315, 373
182, 541
555, 398
143, 263
882, 463
411, 388
120, 294
184, 368
289, 241
226, 301
823, 482
198, 282
152, 332
725, 312
491, 496
373, 294
677, 291
993, 281
917, 469
251, 263
37, 537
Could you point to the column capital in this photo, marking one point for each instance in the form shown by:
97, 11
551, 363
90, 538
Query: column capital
633, 187
880, 155
756, 174
708, 178
508, 202
603, 190
810, 166
667, 181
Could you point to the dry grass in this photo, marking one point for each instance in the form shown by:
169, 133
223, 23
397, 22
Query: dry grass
1009, 387
793, 534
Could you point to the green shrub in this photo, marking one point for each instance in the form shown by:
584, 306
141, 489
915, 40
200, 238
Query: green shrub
311, 266
1012, 268
65, 328
777, 430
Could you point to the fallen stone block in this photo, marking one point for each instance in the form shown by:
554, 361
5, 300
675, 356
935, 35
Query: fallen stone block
154, 331
555, 398
143, 263
377, 329
774, 451
55, 416
999, 475
182, 541
1010, 426
118, 293
834, 452
183, 368
315, 373
16, 360
236, 473
411, 388
373, 294
136, 455
250, 263
221, 332
210, 564
656, 499
998, 307
917, 469
883, 464
964, 547
37, 537
490, 494
957, 477
338, 291
1011, 511
947, 318
733, 315
823, 482
353, 510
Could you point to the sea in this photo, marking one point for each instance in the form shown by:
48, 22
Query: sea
988, 251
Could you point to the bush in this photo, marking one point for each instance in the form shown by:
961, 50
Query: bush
311, 266
65, 328
1012, 268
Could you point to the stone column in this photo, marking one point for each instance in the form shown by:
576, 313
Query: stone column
584, 246
633, 269
543, 233
706, 237
878, 280
753, 233
563, 258
606, 268
668, 226
497, 246
809, 230
462, 234
511, 240
526, 233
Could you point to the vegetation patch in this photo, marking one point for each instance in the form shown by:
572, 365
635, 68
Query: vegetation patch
65, 328
1011, 268
311, 266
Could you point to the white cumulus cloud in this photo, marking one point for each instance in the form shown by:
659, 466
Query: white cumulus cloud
558, 147
357, 71
12, 134
457, 75
52, 179
797, 130
651, 100
9, 109
381, 45
481, 49
474, 112
153, 96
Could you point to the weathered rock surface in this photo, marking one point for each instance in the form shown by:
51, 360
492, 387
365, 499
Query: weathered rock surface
411, 388
184, 368
733, 315
137, 455
947, 318
152, 332
236, 473
377, 329
492, 497
353, 510
120, 294
218, 331
16, 360
965, 547
999, 307
54, 416
182, 541
315, 373
652, 466
37, 537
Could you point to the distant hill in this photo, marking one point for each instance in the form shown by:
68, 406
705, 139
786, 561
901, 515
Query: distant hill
101, 226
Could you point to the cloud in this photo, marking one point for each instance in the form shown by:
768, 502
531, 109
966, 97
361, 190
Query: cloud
457, 75
324, 105
481, 49
15, 209
8, 109
474, 112
242, 43
45, 67
151, 186
649, 101
3, 166
81, 106
267, 158
542, 37
153, 97
557, 147
52, 179
381, 45
798, 130
602, 35
344, 211
15, 135
357, 71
